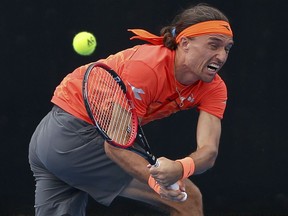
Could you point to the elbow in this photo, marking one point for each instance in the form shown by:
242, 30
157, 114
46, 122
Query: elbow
212, 156
207, 161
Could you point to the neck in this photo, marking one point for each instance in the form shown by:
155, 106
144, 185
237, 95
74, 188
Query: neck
184, 76
182, 73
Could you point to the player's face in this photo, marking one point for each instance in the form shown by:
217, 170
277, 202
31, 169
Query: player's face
206, 54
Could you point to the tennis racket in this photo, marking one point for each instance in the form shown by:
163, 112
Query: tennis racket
111, 110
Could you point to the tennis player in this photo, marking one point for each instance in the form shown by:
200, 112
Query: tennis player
172, 72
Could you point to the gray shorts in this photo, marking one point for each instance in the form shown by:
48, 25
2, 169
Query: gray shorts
68, 160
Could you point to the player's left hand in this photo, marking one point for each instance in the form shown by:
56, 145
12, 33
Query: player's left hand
173, 195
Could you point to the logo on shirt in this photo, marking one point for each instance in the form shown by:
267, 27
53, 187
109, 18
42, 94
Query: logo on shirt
182, 99
137, 92
191, 98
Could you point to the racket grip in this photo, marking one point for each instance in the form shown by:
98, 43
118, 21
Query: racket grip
175, 186
157, 164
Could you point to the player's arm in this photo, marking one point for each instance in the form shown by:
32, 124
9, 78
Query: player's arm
208, 137
130, 162
209, 128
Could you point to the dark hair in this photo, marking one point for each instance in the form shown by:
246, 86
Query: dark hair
190, 16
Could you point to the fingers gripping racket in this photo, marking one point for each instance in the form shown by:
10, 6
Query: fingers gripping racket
110, 108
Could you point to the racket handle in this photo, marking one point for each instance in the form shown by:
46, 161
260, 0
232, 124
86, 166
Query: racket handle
157, 164
175, 186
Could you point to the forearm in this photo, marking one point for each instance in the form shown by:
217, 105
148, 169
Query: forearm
204, 158
208, 138
130, 162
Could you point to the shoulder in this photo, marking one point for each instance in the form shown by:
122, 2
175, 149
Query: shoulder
217, 83
153, 55
211, 91
149, 62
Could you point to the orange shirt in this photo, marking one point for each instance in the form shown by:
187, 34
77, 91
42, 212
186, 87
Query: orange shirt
148, 72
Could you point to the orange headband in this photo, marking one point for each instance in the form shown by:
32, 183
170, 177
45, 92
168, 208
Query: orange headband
207, 27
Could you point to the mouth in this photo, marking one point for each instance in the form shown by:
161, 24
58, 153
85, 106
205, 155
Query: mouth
213, 67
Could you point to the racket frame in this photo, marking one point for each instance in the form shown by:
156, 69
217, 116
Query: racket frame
138, 134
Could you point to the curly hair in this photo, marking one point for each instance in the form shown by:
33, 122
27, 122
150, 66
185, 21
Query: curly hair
190, 16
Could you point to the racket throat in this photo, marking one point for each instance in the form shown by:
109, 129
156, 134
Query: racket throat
152, 159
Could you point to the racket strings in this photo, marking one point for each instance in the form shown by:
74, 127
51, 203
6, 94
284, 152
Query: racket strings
110, 107
98, 105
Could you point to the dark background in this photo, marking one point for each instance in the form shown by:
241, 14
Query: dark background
250, 175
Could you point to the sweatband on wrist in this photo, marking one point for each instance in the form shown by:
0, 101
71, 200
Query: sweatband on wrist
153, 184
188, 166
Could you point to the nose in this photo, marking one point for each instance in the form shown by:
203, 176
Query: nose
222, 55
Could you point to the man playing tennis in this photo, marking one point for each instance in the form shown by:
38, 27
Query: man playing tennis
175, 71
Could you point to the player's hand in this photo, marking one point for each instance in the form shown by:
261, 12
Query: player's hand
173, 195
167, 173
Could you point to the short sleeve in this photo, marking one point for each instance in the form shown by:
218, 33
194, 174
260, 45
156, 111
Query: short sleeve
214, 101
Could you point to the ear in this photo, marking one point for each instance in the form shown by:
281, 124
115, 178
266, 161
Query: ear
184, 43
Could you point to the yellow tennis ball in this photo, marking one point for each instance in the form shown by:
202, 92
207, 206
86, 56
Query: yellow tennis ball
84, 43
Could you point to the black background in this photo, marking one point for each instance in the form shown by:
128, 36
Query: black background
250, 175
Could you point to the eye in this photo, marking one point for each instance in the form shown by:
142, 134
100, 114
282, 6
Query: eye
227, 48
213, 46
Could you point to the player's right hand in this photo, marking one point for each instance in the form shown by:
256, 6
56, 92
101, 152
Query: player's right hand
167, 173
